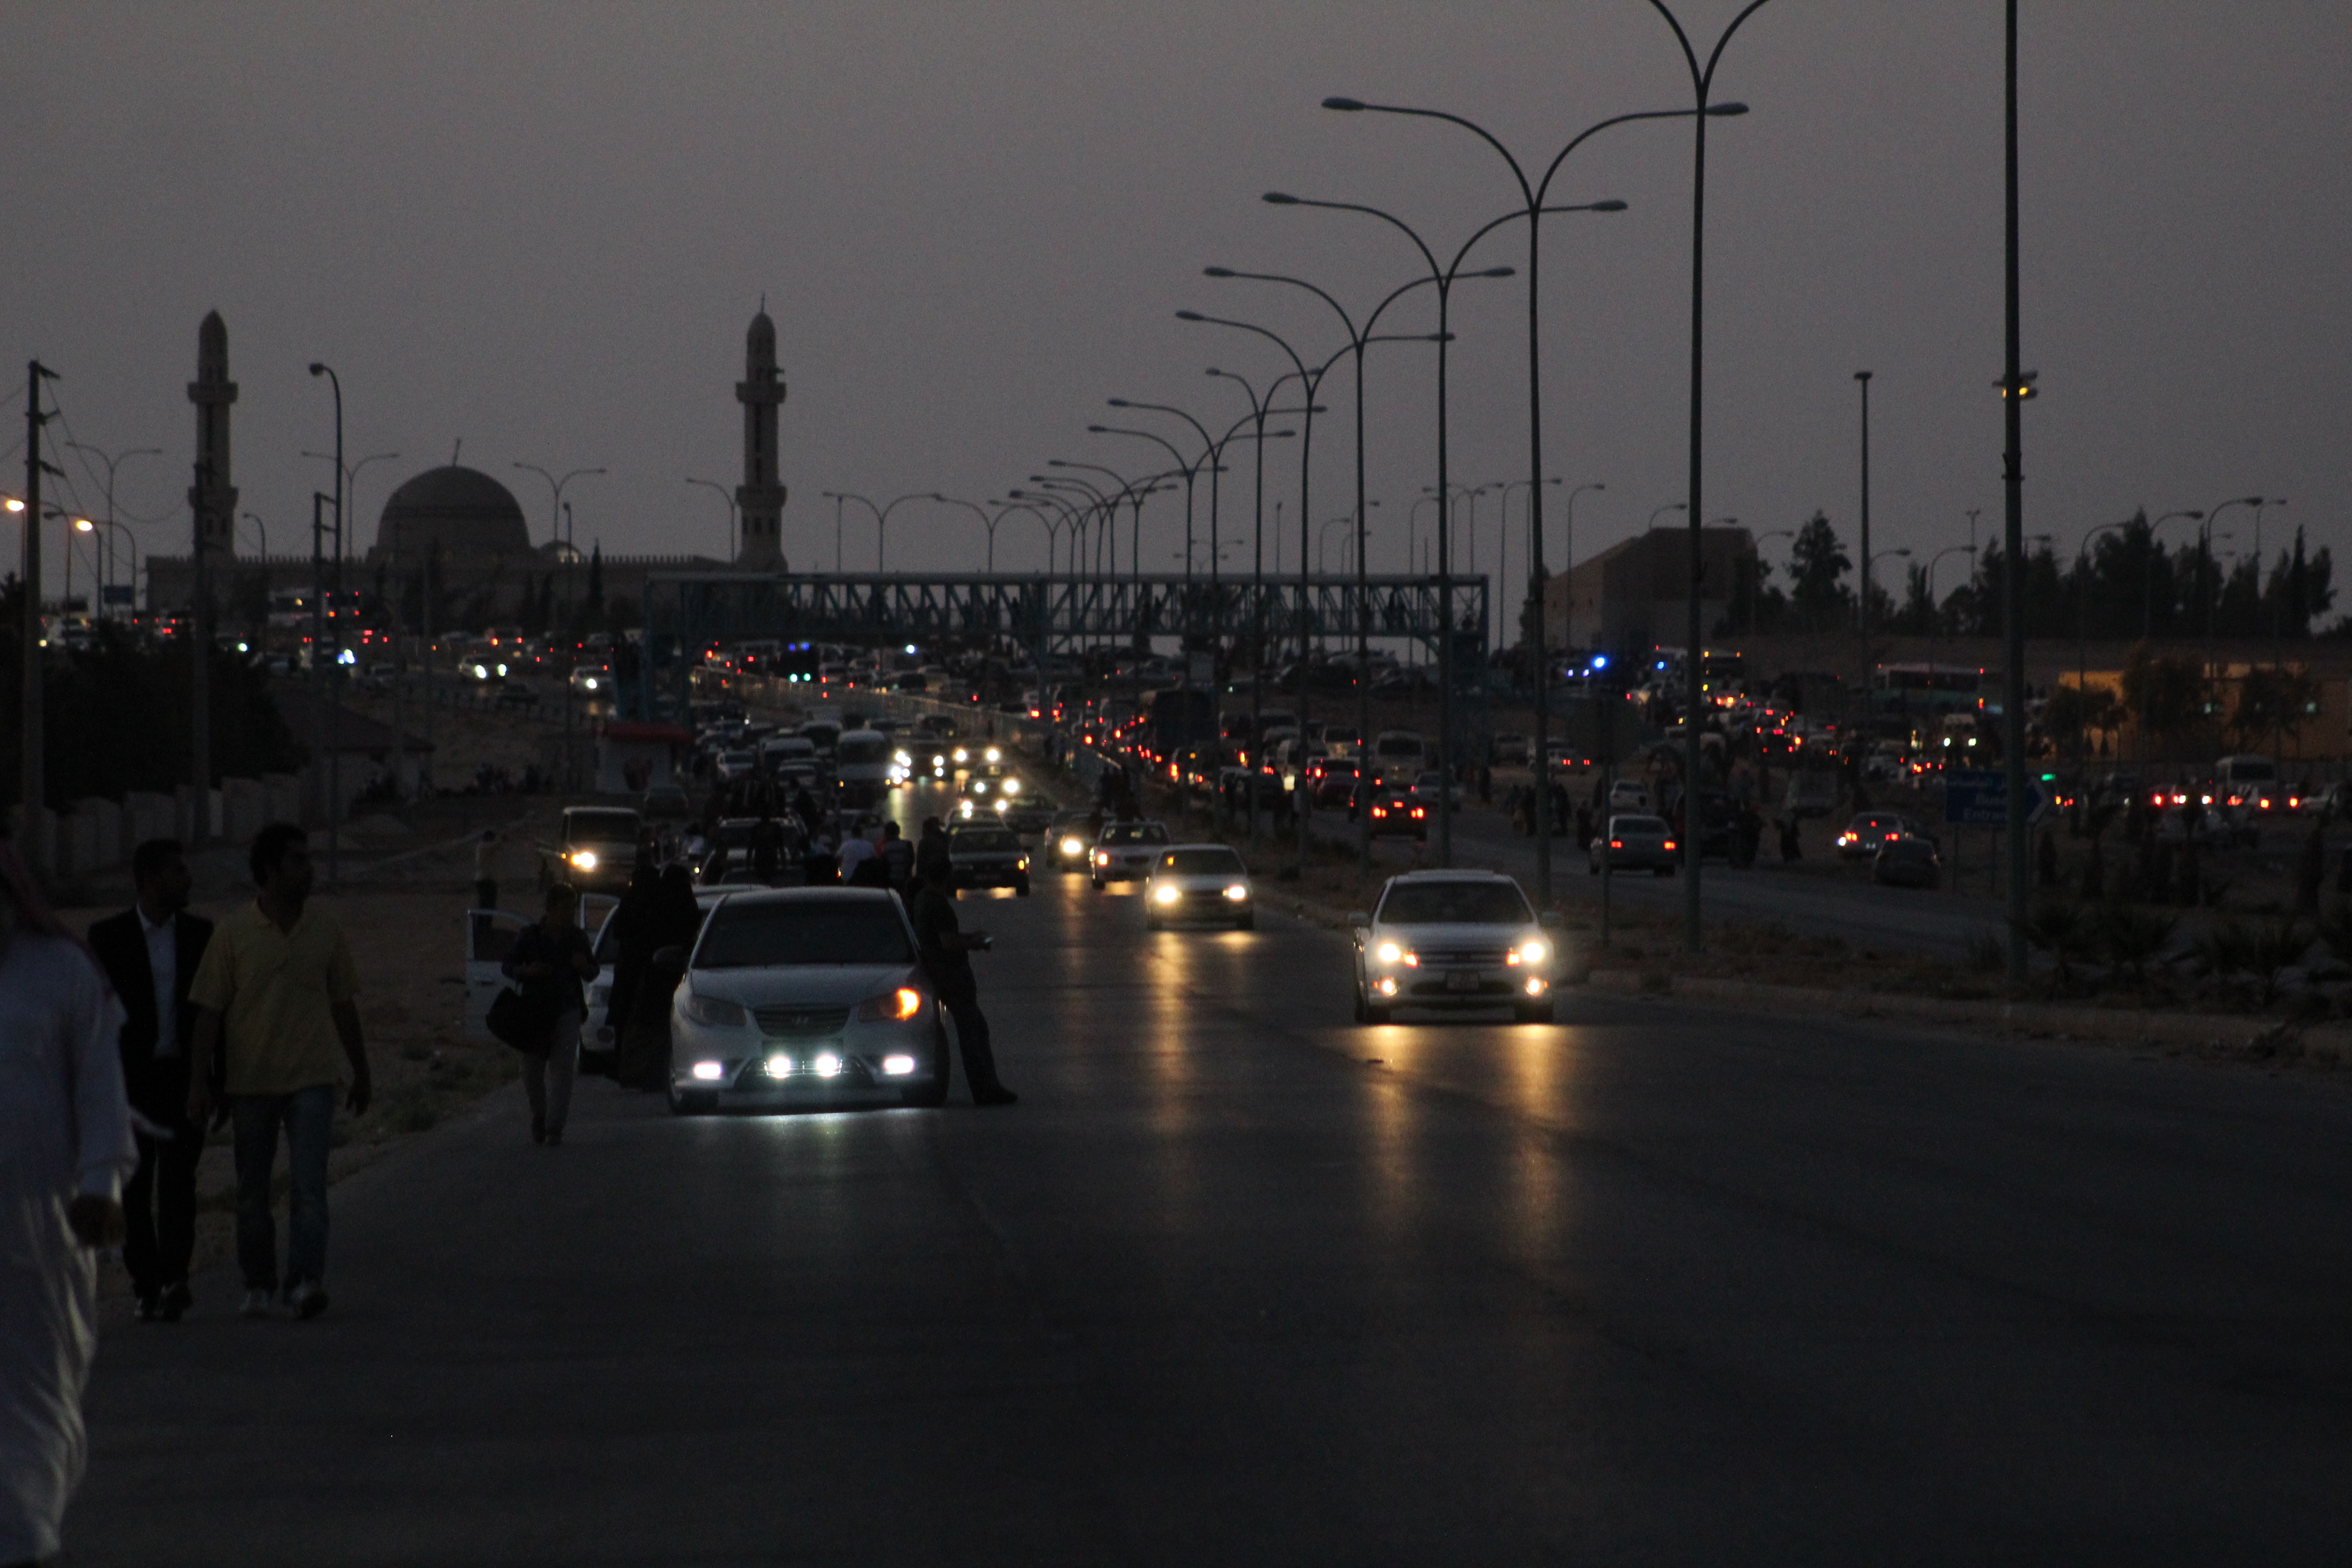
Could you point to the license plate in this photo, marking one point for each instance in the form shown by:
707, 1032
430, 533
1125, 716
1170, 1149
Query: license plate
1462, 980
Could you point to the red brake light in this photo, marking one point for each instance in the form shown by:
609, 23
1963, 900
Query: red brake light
1616, 844
1670, 844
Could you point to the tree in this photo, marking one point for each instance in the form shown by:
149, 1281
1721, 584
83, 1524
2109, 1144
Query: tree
2072, 712
2166, 694
1818, 565
1918, 617
2271, 700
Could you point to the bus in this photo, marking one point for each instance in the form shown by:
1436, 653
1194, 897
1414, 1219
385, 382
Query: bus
1928, 688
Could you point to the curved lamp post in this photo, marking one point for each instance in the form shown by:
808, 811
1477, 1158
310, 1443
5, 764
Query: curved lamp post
729, 496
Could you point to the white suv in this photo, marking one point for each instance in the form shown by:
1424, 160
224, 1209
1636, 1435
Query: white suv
1455, 939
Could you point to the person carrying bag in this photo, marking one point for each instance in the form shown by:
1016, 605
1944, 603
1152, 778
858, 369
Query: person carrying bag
549, 959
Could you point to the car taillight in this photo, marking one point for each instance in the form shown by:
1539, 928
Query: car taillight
1670, 844
1616, 844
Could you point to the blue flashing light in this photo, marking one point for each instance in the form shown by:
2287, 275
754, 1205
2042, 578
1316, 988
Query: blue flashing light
1600, 661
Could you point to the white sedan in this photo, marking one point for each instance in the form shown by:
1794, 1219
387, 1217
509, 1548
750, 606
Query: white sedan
1455, 939
1199, 882
805, 997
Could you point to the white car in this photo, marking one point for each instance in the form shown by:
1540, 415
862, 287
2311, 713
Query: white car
1629, 795
592, 681
1199, 882
1455, 939
1125, 851
1431, 784
805, 997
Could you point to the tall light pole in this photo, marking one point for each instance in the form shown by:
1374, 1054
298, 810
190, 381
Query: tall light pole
32, 787
106, 571
111, 464
1702, 78
334, 676
1444, 277
729, 496
555, 518
2148, 590
1357, 340
2205, 572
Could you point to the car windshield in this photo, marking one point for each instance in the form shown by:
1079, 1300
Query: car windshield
1398, 746
762, 934
603, 827
1135, 833
1455, 903
1216, 862
986, 839
1637, 824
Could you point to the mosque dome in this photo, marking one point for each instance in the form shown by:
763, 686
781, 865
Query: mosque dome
456, 511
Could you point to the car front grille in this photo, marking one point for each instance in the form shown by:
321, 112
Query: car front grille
794, 1023
1466, 958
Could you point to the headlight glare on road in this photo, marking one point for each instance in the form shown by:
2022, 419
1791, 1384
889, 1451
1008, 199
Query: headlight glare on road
709, 1072
779, 1067
1533, 952
897, 1066
1388, 953
827, 1065
716, 1011
891, 1006
1238, 892
1166, 894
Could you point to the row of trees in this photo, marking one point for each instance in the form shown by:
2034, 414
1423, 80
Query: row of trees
2175, 706
116, 715
2129, 584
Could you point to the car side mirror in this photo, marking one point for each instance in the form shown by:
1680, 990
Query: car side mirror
1359, 921
1553, 919
671, 957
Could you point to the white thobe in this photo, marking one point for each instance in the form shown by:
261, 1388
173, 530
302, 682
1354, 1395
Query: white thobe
65, 1131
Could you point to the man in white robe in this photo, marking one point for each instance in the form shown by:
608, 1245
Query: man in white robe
65, 1149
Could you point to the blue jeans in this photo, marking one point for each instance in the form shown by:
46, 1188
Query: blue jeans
308, 1115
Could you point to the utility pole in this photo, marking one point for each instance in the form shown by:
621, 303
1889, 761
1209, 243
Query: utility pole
36, 780
2016, 387
1862, 610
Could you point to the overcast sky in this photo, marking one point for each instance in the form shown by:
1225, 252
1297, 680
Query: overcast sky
542, 229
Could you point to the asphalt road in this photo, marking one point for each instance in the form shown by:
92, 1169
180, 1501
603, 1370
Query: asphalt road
1238, 1282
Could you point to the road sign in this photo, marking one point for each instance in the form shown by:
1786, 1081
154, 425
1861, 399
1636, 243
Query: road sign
1979, 797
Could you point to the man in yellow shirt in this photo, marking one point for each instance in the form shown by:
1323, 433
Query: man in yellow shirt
276, 991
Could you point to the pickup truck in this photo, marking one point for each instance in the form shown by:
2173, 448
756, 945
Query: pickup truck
595, 848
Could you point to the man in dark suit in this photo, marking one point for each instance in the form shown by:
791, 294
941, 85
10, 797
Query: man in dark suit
150, 953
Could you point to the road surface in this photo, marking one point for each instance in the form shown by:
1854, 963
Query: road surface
1238, 1282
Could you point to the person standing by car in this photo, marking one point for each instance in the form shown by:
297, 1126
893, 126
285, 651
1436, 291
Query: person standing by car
150, 952
947, 952
551, 956
64, 1147
277, 994
899, 856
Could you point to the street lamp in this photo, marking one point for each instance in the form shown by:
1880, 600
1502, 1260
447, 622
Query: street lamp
87, 525
2148, 592
2205, 553
1532, 193
555, 516
112, 463
729, 496
881, 519
323, 683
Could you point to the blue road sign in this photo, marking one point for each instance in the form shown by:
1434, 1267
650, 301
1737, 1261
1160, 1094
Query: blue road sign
1979, 797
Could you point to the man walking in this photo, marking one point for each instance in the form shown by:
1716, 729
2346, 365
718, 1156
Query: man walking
947, 952
64, 1147
275, 992
149, 953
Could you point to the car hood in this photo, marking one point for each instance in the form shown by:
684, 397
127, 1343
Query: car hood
1442, 938
818, 984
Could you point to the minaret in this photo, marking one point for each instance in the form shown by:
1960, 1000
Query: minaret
213, 499
759, 499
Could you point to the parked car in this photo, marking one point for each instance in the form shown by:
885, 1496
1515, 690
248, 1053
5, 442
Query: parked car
596, 846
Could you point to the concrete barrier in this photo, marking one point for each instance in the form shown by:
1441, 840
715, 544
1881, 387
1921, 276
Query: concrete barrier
148, 816
245, 806
107, 849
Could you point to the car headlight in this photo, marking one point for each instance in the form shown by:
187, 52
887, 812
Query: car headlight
584, 859
1238, 892
709, 1072
901, 758
1388, 953
897, 1066
716, 1011
1534, 953
1012, 786
961, 755
827, 1065
994, 755
1166, 893
1002, 803
1102, 857
779, 1067
890, 1007
1073, 847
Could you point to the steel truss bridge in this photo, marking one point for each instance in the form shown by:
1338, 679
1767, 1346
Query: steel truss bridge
1053, 615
